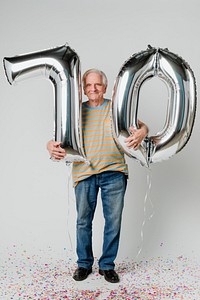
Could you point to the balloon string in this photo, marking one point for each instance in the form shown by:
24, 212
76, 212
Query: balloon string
69, 173
146, 198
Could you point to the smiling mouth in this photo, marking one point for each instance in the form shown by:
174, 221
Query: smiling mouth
94, 94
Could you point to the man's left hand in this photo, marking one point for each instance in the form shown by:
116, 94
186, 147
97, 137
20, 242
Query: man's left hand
136, 137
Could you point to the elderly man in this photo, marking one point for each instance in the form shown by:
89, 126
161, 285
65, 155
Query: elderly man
107, 171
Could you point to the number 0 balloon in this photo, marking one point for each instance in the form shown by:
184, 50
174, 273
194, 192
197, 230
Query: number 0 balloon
61, 66
180, 81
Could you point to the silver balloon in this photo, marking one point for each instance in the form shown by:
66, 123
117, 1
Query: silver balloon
61, 65
180, 115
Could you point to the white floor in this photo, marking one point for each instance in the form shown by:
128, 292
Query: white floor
47, 274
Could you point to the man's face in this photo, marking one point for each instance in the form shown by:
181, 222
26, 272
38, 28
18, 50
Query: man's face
94, 88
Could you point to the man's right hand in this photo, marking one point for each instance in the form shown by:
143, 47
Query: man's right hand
55, 151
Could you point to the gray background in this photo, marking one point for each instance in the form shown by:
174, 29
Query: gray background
37, 206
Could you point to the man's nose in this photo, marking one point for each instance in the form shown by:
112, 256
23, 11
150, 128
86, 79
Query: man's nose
93, 87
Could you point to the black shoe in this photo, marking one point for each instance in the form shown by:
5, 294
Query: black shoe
109, 275
81, 273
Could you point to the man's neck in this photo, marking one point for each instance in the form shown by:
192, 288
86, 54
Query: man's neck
95, 103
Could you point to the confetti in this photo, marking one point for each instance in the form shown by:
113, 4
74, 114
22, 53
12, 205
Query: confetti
47, 275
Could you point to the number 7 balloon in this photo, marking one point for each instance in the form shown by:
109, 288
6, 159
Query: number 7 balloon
61, 65
180, 115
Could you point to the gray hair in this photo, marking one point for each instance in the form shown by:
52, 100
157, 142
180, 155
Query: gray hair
103, 75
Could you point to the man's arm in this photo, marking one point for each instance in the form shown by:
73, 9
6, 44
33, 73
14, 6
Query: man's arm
137, 135
55, 150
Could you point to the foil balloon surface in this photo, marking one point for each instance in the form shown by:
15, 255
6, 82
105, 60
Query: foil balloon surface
60, 65
181, 109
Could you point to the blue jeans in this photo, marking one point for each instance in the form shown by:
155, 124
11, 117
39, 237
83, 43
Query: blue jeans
113, 187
